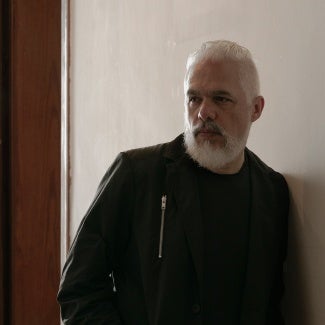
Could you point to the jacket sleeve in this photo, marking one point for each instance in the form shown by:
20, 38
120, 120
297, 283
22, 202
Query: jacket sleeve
87, 294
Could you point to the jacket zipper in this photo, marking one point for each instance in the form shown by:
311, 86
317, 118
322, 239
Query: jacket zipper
162, 223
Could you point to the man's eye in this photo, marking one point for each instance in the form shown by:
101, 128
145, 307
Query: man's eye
221, 99
193, 99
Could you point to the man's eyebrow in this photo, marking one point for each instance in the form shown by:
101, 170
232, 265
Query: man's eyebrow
192, 92
219, 93
212, 93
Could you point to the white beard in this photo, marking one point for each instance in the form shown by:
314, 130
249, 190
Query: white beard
208, 156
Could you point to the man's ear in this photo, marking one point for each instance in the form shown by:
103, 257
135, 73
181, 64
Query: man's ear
258, 105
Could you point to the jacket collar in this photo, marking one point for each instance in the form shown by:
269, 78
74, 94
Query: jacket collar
175, 149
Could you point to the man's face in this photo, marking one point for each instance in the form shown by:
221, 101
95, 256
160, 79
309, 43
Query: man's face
214, 93
218, 112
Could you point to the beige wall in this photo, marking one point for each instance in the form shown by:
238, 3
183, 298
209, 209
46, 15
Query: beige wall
127, 65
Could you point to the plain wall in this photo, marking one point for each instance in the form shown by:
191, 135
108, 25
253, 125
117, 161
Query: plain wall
127, 67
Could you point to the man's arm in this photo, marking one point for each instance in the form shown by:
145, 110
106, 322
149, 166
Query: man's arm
86, 292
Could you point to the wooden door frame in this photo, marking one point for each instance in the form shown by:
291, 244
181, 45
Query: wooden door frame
65, 130
30, 172
4, 163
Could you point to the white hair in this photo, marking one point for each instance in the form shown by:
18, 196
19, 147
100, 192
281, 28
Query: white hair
221, 50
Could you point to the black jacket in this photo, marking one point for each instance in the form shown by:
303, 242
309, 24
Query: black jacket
113, 274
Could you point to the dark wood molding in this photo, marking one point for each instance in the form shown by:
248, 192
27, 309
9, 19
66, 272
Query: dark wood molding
30, 214
4, 164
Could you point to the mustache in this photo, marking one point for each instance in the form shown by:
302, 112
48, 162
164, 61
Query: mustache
208, 126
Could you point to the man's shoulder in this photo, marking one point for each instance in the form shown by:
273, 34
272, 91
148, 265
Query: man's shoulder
171, 149
257, 162
261, 168
143, 162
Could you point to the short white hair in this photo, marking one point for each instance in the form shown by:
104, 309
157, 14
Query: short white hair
221, 50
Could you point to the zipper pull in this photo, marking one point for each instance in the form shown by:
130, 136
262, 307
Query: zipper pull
163, 202
162, 223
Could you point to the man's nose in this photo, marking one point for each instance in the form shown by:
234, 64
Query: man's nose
207, 111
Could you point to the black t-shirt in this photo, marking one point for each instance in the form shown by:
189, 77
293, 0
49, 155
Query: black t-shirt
225, 206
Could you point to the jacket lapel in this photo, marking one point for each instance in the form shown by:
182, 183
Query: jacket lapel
259, 247
181, 177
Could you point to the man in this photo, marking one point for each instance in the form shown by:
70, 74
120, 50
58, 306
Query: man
192, 231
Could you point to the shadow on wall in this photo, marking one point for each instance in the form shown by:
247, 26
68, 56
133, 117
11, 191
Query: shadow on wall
296, 302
